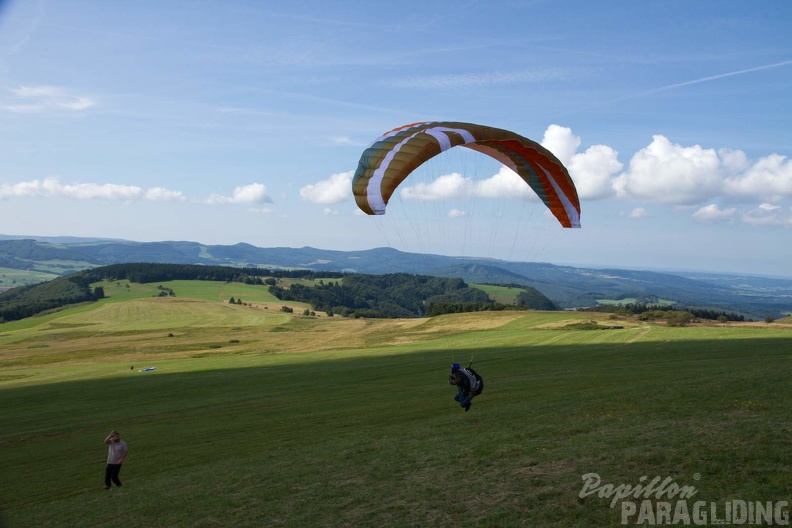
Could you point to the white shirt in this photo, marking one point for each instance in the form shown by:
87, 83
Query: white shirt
116, 451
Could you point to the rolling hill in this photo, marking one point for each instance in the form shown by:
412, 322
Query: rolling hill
566, 286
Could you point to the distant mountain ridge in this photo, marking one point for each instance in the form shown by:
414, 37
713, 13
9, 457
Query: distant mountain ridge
567, 286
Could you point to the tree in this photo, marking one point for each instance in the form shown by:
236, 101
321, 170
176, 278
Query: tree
678, 318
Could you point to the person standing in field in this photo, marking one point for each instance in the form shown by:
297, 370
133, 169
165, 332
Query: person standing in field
116, 453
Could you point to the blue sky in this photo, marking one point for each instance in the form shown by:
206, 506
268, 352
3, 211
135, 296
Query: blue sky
226, 122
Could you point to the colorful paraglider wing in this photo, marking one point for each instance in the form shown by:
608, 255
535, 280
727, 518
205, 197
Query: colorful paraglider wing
394, 155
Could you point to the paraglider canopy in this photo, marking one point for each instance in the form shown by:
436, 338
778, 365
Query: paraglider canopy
394, 155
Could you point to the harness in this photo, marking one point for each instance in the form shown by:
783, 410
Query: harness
474, 379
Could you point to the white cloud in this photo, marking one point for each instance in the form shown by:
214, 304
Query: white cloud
161, 194
79, 103
456, 213
561, 142
346, 141
638, 212
667, 173
106, 191
444, 187
592, 170
713, 213
52, 187
504, 184
260, 210
336, 189
329, 212
769, 215
769, 178
31, 188
38, 99
254, 193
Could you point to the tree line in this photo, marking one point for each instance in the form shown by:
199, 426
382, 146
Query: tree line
144, 273
656, 311
391, 295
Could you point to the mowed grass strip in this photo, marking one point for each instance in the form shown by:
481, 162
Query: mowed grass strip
365, 432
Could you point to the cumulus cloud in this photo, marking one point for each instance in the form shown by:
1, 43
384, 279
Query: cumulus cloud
336, 189
713, 213
667, 173
561, 142
769, 178
254, 193
664, 172
592, 170
38, 99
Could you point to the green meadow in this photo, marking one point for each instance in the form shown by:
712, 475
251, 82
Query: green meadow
501, 294
10, 277
255, 417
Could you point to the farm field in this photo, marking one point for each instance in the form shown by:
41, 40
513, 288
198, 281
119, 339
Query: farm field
501, 294
10, 277
255, 417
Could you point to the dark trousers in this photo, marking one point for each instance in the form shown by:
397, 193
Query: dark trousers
462, 399
111, 473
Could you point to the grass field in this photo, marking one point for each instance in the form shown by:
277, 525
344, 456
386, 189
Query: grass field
254, 417
501, 294
14, 277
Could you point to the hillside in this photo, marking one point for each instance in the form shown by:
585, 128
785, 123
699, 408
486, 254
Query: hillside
566, 286
358, 295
